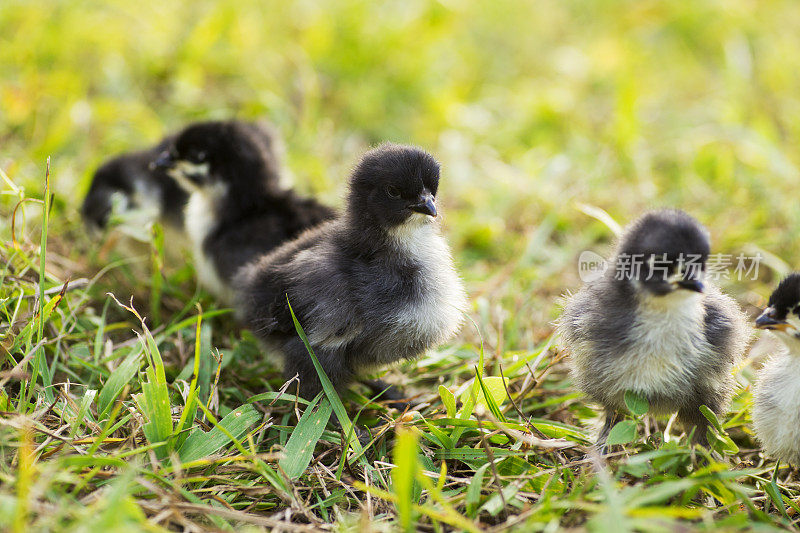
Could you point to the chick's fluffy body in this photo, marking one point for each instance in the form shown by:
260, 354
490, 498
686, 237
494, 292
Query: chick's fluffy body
645, 333
776, 396
677, 350
776, 407
367, 294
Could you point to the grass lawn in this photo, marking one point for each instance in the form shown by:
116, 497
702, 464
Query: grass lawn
130, 400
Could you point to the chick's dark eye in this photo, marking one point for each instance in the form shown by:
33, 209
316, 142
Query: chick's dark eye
393, 192
200, 156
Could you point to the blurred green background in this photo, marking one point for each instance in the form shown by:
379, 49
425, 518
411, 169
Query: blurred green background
534, 108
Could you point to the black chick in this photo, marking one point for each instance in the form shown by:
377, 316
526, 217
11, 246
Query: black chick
236, 211
126, 186
654, 326
375, 286
776, 396
130, 186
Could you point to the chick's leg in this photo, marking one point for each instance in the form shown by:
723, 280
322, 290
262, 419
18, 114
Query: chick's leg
691, 415
388, 393
612, 417
298, 361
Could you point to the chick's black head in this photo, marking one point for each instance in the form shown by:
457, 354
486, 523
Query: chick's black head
205, 153
664, 251
783, 307
393, 184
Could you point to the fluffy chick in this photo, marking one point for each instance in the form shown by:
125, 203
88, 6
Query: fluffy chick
236, 211
375, 286
653, 325
776, 398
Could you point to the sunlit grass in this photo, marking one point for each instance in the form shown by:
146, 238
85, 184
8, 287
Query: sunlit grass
536, 110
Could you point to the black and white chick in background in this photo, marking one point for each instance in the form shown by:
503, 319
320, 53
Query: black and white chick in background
236, 209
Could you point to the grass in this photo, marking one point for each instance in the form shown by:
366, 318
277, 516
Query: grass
151, 410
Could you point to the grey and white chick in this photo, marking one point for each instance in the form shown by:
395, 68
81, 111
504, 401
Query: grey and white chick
653, 325
139, 193
375, 286
776, 397
236, 211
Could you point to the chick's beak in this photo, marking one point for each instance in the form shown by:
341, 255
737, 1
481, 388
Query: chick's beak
767, 320
426, 205
690, 285
164, 160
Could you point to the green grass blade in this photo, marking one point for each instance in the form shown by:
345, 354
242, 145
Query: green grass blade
330, 391
190, 408
300, 447
272, 477
39, 361
403, 475
39, 366
205, 370
623, 432
154, 401
201, 444
636, 403
449, 401
489, 398
473, 496
101, 329
443, 437
156, 276
83, 410
120, 377
469, 405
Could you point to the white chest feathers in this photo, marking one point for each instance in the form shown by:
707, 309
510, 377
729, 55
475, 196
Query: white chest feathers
776, 407
669, 345
436, 313
200, 221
